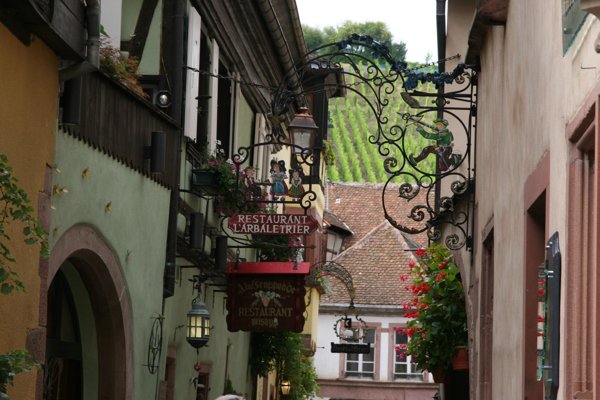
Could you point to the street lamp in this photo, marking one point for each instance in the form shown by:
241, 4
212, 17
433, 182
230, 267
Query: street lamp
198, 323
303, 131
286, 386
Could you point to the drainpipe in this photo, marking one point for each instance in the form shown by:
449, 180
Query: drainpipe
91, 62
281, 45
327, 183
440, 15
176, 14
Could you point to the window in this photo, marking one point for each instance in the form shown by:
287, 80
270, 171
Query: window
572, 19
334, 244
362, 365
204, 93
403, 366
201, 381
224, 110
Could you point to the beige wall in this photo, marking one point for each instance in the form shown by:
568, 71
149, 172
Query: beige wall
528, 92
28, 106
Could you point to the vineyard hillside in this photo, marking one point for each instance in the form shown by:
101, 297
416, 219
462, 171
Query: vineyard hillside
352, 124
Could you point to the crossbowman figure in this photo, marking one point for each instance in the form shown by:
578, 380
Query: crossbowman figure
443, 146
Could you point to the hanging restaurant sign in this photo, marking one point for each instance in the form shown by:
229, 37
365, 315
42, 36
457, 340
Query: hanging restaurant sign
351, 348
268, 267
272, 224
266, 303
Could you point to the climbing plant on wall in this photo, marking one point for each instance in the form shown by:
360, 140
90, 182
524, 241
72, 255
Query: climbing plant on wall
16, 211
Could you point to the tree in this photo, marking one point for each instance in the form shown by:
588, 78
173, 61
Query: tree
377, 30
314, 37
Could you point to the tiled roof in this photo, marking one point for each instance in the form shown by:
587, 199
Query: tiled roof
333, 220
359, 205
377, 254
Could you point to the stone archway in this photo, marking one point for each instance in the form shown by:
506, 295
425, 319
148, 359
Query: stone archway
100, 272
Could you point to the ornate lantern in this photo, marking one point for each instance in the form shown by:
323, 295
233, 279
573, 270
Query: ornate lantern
303, 131
198, 324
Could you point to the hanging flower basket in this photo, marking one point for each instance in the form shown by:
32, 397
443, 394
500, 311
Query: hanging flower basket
437, 312
460, 361
204, 177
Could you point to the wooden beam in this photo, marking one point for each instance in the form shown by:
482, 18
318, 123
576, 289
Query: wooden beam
142, 27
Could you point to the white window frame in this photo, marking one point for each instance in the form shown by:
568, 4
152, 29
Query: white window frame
360, 373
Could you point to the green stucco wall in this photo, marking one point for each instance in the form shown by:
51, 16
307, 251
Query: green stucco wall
130, 212
215, 354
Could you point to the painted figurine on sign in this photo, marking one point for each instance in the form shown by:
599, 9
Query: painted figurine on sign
253, 190
443, 146
278, 177
296, 189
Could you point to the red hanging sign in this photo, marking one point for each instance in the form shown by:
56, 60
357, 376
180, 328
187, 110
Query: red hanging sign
268, 267
272, 224
266, 303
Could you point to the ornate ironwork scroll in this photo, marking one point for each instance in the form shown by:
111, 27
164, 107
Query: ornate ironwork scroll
448, 125
432, 177
336, 270
343, 326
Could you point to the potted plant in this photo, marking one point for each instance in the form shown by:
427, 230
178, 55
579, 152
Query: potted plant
239, 192
438, 325
234, 191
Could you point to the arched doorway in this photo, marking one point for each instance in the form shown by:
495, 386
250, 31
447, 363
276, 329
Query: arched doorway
64, 369
88, 335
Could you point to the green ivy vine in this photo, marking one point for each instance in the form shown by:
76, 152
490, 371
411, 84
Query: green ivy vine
15, 207
285, 353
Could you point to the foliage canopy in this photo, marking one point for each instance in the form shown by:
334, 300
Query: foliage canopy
315, 37
284, 352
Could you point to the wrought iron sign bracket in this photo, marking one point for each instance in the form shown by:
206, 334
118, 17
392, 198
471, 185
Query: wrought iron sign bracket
431, 178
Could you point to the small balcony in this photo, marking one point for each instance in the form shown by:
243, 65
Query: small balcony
110, 117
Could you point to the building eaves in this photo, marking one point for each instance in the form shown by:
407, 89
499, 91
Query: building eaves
335, 222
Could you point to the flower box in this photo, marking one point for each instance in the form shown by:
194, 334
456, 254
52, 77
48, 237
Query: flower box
205, 181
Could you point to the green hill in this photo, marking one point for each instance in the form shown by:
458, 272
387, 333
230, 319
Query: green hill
352, 122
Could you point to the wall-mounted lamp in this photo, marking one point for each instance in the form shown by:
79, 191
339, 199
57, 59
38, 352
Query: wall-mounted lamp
286, 386
196, 230
156, 152
221, 252
163, 99
198, 322
303, 131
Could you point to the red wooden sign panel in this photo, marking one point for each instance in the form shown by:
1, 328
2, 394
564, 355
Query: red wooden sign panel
266, 303
268, 267
272, 224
